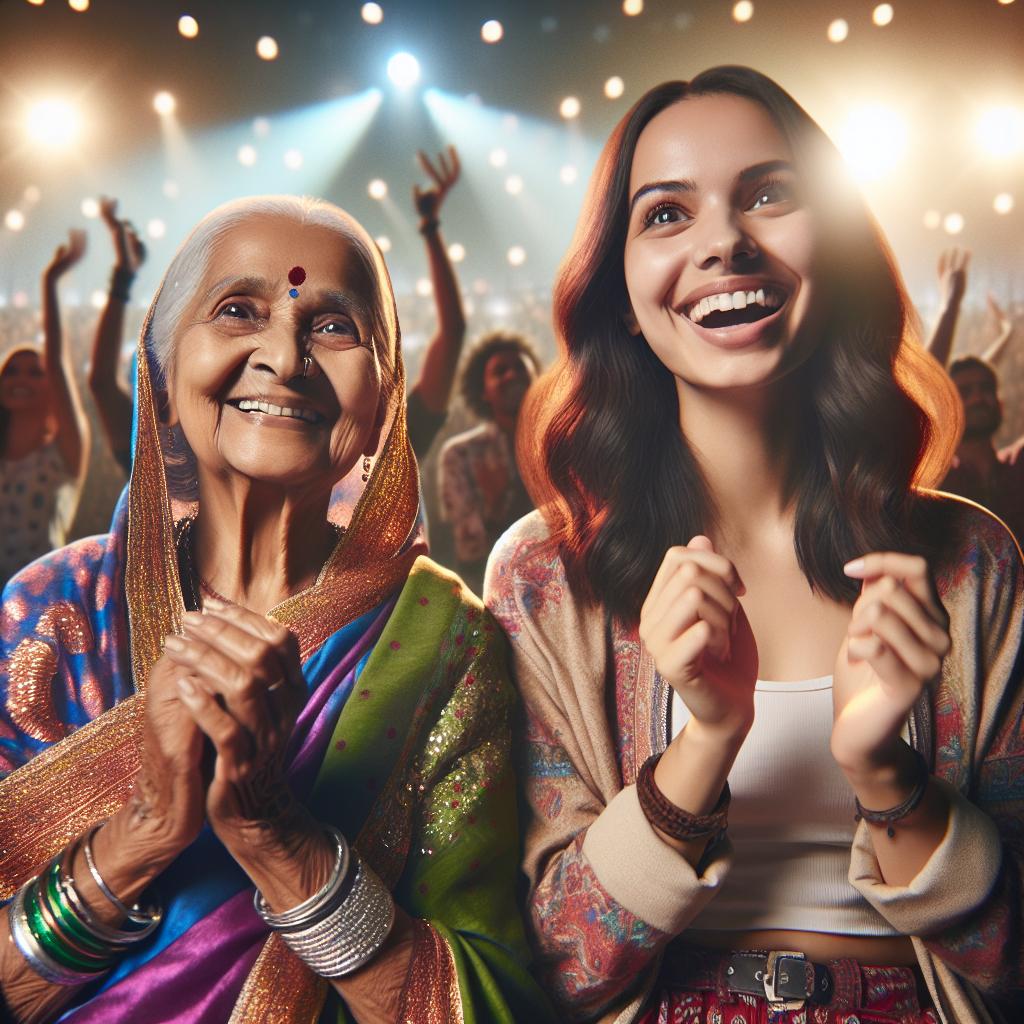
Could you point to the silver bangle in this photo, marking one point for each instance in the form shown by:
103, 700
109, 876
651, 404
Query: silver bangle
37, 958
353, 933
320, 904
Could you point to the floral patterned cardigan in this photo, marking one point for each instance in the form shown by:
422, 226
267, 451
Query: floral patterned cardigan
607, 895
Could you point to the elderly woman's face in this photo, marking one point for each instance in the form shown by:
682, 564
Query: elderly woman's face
236, 383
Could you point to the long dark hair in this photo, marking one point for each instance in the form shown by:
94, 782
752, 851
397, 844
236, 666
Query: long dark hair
599, 441
5, 361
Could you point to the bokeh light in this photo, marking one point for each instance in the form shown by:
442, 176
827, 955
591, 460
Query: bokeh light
1000, 131
497, 158
372, 14
513, 184
456, 252
156, 228
170, 189
953, 223
188, 27
882, 15
1003, 203
293, 159
267, 48
378, 188
614, 87
424, 289
78, 5
838, 30
98, 299
90, 207
568, 175
164, 103
37, 3
383, 243
247, 155
492, 31
261, 127
873, 141
743, 11
569, 108
404, 70
631, 8
14, 220
516, 256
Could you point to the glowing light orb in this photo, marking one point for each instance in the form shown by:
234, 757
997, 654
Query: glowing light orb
497, 158
1003, 203
838, 30
932, 219
188, 27
164, 103
90, 207
873, 141
1005, 3
377, 188
247, 155
882, 15
743, 11
372, 14
78, 5
456, 252
568, 175
98, 299
293, 159
424, 288
156, 228
14, 220
1000, 131
267, 48
516, 256
492, 31
513, 184
614, 87
170, 189
569, 108
37, 3
953, 223
404, 70
54, 124
383, 243
631, 8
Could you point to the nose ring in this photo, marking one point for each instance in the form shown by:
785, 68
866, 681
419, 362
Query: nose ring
307, 362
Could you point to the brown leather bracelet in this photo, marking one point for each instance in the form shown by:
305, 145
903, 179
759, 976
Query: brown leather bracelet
672, 820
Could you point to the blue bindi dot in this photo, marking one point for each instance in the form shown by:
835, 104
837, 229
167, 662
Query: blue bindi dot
294, 292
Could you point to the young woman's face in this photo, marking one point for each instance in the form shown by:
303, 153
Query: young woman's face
720, 249
23, 384
236, 383
507, 377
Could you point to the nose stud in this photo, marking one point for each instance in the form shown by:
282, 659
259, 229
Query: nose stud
307, 363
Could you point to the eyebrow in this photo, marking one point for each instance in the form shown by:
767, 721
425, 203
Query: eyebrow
238, 284
688, 185
328, 297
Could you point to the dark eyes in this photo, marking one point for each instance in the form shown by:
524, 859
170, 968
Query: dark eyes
332, 329
664, 213
771, 193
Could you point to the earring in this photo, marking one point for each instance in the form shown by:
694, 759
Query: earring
366, 468
170, 437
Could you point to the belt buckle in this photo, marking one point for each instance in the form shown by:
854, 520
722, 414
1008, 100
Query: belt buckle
773, 977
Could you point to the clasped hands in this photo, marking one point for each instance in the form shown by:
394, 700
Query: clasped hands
695, 629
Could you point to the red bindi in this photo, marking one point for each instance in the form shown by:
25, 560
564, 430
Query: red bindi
296, 275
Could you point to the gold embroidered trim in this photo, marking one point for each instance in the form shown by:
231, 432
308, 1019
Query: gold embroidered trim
431, 994
280, 989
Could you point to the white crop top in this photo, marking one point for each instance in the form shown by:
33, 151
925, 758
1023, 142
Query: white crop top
791, 822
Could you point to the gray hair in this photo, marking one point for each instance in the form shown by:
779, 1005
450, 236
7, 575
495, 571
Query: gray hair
191, 262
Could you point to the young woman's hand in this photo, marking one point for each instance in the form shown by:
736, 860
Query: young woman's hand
443, 173
698, 635
66, 255
130, 249
897, 638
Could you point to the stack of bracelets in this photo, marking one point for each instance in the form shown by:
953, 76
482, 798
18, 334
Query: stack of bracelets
61, 938
341, 927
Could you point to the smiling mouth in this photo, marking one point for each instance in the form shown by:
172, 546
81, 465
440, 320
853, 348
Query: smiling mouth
732, 309
252, 405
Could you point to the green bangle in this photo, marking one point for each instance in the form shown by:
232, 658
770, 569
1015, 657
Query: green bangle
67, 919
101, 959
51, 942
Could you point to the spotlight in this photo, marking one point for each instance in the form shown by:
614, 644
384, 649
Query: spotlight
631, 8
516, 255
838, 30
497, 158
953, 223
872, 141
404, 70
456, 252
53, 123
293, 159
156, 228
932, 219
743, 11
90, 208
1003, 203
569, 108
383, 243
247, 155
492, 31
568, 175
882, 15
164, 103
513, 184
14, 220
78, 5
266, 48
424, 288
373, 14
1000, 131
614, 87
188, 27
378, 189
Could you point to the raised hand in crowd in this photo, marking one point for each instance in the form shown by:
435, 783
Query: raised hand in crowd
1002, 325
953, 263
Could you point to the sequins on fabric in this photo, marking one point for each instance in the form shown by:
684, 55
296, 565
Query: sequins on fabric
431, 993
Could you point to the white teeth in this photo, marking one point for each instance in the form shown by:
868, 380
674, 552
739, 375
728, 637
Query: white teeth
739, 300
251, 405
759, 296
751, 298
725, 302
769, 298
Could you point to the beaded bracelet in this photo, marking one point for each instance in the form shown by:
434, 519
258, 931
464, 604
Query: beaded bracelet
672, 820
894, 814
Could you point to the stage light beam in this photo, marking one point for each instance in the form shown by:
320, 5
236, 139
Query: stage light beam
872, 141
164, 103
569, 108
54, 124
404, 70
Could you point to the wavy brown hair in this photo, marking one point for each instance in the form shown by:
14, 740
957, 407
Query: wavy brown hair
599, 441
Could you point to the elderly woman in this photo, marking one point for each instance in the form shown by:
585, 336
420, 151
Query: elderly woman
245, 748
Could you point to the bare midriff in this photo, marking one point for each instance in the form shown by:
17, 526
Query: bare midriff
889, 951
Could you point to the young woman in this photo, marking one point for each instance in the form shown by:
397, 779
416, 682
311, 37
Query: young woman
738, 581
